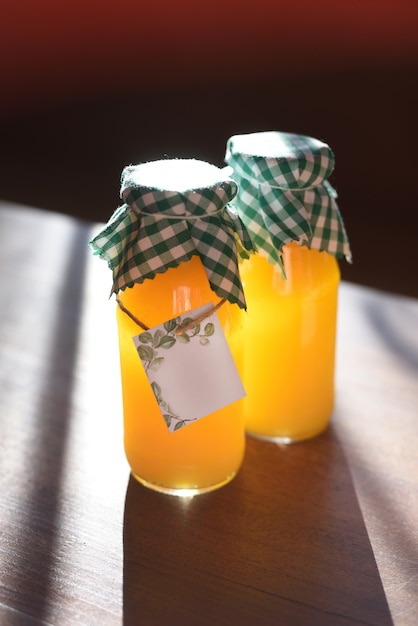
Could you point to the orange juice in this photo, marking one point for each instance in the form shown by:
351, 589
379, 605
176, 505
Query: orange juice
205, 454
289, 330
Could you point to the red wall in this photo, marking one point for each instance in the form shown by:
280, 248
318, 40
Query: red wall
54, 49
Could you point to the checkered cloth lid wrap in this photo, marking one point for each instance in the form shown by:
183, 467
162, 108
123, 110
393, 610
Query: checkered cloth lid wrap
283, 193
158, 228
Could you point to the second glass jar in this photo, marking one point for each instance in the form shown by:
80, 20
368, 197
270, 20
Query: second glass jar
291, 285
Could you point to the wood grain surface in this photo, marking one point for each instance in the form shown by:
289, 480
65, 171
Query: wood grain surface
322, 532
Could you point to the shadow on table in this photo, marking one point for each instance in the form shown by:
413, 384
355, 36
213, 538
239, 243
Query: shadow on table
397, 328
30, 574
289, 547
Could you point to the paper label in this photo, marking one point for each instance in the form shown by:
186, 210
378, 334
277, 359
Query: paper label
191, 371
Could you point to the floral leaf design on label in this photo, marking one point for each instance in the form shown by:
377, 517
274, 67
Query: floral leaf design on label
189, 367
153, 360
168, 414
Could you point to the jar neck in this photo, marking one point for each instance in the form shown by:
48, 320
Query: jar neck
306, 270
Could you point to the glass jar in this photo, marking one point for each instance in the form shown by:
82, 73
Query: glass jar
174, 223
291, 285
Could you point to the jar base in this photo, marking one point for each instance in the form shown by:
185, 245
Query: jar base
182, 492
286, 439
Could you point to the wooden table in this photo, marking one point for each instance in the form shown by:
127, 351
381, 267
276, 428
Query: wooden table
323, 532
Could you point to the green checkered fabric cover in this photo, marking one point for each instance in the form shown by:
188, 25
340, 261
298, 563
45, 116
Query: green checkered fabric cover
283, 193
173, 210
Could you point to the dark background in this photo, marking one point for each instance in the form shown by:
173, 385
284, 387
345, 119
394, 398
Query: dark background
89, 87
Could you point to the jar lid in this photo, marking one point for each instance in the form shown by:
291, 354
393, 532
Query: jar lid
287, 160
173, 210
283, 192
